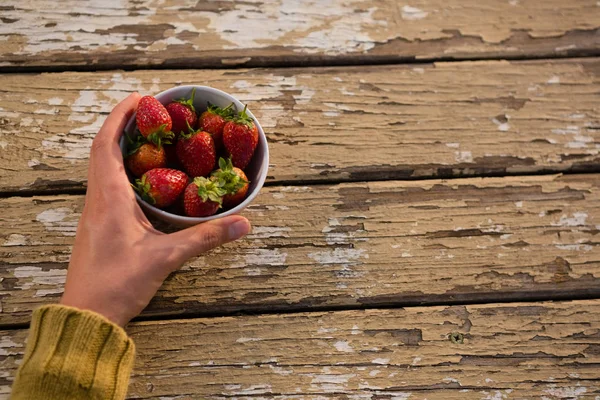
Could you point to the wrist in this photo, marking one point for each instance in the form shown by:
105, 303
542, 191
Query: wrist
109, 313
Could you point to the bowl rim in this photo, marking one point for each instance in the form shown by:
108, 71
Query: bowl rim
262, 138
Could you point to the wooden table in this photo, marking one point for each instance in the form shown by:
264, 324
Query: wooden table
430, 225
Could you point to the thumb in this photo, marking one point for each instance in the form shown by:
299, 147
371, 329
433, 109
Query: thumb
201, 238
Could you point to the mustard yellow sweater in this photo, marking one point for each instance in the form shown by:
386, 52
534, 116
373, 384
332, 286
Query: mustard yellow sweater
74, 354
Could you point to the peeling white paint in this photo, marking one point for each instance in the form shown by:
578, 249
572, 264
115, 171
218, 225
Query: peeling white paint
338, 256
37, 276
519, 204
8, 347
61, 219
569, 130
238, 390
330, 382
463, 156
574, 247
343, 346
44, 292
570, 392
15, 239
253, 271
382, 361
281, 371
55, 101
412, 13
553, 80
496, 395
416, 360
264, 232
33, 162
266, 257
502, 126
577, 219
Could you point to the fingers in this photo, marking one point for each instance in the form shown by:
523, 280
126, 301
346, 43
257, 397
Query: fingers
198, 239
106, 160
115, 123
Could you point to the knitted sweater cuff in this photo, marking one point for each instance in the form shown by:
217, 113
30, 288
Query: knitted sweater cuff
74, 354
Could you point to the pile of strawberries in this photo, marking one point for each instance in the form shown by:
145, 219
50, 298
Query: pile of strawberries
175, 156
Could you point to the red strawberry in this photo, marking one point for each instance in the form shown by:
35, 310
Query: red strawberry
213, 120
161, 186
197, 154
202, 197
146, 157
153, 120
233, 180
240, 137
183, 114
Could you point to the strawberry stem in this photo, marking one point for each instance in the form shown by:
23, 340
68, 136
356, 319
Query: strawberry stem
227, 178
142, 187
189, 103
209, 189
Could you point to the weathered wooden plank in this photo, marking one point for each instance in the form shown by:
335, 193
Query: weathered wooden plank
350, 245
516, 351
331, 124
44, 34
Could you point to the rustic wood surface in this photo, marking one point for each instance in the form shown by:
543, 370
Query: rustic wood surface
361, 225
352, 245
508, 351
45, 34
332, 124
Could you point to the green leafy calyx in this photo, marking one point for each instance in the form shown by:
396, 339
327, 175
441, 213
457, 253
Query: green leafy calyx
189, 103
191, 132
225, 112
143, 187
243, 118
209, 189
161, 136
227, 178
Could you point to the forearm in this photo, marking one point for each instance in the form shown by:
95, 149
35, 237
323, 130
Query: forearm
74, 354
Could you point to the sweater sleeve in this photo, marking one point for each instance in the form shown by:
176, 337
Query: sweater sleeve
74, 354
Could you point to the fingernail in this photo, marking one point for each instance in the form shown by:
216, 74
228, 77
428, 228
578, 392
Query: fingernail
239, 229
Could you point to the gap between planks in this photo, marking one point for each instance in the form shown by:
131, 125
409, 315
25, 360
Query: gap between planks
333, 61
573, 171
258, 312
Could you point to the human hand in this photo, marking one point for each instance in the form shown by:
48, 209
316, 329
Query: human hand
119, 260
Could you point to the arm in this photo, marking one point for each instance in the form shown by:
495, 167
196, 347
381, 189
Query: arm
79, 350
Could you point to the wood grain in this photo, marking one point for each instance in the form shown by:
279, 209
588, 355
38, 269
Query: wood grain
71, 34
332, 124
508, 351
350, 245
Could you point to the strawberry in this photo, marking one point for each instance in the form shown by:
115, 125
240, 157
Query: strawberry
145, 157
240, 137
161, 186
153, 120
202, 197
183, 114
233, 180
213, 120
196, 152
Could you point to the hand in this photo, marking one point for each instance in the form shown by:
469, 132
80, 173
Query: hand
119, 260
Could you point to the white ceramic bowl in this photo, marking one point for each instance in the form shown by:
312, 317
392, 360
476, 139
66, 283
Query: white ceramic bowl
256, 170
